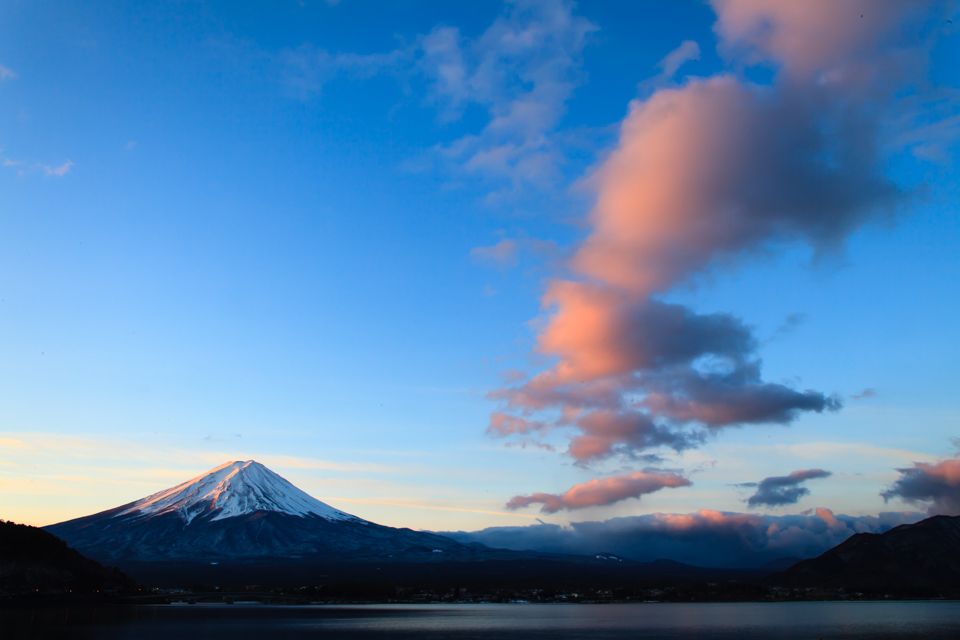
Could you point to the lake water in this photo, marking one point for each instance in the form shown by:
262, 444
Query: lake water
740, 621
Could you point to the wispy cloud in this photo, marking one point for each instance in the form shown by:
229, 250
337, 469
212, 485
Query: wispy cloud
60, 171
790, 324
523, 443
521, 70
431, 507
504, 254
686, 52
308, 68
111, 450
6, 73
37, 167
507, 252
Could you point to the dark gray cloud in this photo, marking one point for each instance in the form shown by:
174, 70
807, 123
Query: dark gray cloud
935, 485
659, 375
705, 538
777, 491
606, 432
718, 399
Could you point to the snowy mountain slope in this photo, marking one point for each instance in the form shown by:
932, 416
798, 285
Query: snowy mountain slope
241, 511
234, 489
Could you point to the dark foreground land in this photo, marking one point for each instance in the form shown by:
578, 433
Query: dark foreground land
910, 562
34, 561
523, 573
496, 582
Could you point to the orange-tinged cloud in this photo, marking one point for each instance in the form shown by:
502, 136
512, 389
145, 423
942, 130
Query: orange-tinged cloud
813, 35
703, 175
662, 194
610, 346
601, 491
503, 424
713, 169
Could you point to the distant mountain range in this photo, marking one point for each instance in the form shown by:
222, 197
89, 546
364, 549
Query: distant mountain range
242, 523
923, 556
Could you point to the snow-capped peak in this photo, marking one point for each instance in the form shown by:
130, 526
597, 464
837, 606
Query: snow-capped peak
234, 489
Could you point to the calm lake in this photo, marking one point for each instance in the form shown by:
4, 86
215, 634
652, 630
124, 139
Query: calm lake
783, 621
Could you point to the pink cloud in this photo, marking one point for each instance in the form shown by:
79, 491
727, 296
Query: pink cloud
610, 348
717, 168
812, 36
503, 424
938, 485
601, 491
703, 176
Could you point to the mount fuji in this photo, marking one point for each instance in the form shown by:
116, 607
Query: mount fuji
234, 489
243, 511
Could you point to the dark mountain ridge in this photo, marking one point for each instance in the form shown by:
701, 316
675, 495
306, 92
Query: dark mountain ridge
34, 561
243, 524
924, 555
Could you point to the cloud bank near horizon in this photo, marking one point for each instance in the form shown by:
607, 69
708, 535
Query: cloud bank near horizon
705, 538
704, 175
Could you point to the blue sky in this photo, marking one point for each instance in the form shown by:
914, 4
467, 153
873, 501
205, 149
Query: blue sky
250, 232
